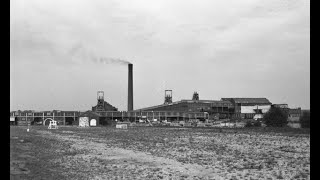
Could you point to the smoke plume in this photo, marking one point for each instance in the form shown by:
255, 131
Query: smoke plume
105, 60
81, 53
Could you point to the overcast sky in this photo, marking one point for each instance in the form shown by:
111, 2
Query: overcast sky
63, 51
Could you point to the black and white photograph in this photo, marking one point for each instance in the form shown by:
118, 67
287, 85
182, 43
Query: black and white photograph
159, 89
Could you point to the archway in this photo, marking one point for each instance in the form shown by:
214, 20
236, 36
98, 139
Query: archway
93, 122
46, 123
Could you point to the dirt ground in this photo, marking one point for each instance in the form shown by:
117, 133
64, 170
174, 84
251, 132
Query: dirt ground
157, 153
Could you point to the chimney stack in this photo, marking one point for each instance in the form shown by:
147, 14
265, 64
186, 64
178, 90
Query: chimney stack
130, 88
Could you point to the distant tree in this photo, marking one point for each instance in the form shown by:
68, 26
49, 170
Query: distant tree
305, 119
275, 117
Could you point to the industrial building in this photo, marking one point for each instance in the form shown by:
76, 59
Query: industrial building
184, 110
103, 105
246, 108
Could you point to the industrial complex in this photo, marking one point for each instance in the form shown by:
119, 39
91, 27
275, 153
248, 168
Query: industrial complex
184, 110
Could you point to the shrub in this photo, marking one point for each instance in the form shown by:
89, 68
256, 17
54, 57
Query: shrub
253, 124
305, 119
248, 124
275, 117
257, 124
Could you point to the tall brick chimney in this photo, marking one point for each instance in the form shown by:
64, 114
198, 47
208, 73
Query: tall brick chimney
130, 88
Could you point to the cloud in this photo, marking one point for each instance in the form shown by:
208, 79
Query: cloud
79, 52
178, 42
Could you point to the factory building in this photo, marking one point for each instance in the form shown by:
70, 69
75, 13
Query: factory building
247, 108
102, 105
183, 110
212, 107
88, 118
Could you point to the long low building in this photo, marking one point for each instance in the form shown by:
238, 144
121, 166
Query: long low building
209, 106
179, 110
102, 117
40, 117
104, 113
246, 108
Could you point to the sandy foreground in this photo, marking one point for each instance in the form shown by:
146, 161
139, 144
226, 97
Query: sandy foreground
156, 153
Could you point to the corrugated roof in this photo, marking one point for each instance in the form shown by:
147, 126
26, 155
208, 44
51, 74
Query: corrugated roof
205, 101
157, 106
249, 100
186, 101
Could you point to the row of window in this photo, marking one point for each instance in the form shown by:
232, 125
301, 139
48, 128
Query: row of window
109, 114
44, 114
148, 114
294, 115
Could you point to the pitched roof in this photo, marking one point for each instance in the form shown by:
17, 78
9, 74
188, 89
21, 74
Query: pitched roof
185, 101
157, 106
249, 100
107, 106
90, 113
206, 101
